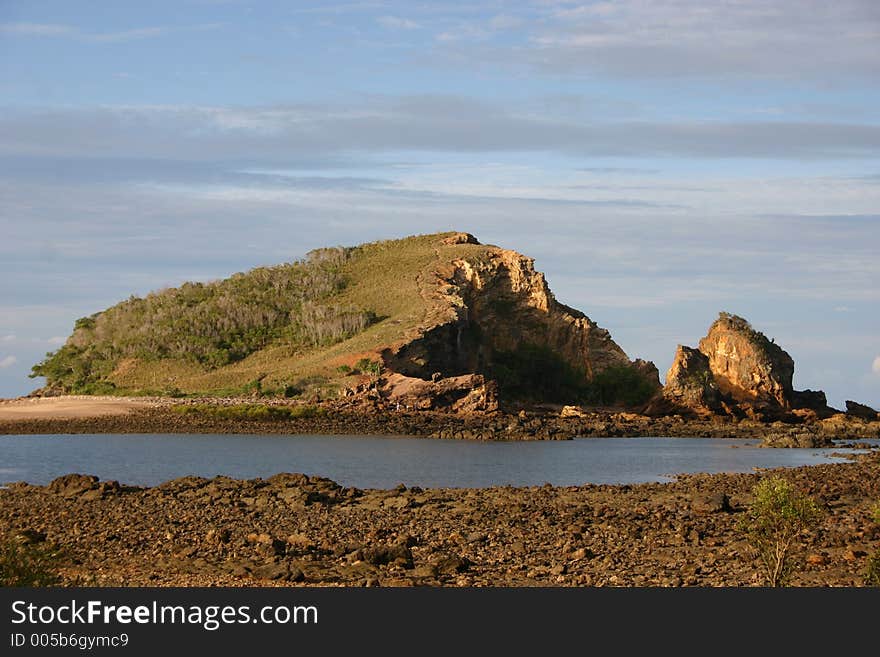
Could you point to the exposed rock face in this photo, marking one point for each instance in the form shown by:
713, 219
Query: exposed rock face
689, 381
468, 393
499, 305
746, 365
738, 371
861, 411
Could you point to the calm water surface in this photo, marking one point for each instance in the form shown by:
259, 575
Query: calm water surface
382, 462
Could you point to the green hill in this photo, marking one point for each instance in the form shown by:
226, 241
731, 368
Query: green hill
422, 306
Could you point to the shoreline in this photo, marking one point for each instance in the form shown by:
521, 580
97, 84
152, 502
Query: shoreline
294, 529
78, 415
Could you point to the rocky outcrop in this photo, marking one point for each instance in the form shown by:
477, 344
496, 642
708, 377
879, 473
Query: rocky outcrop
854, 409
495, 315
689, 382
746, 365
738, 371
469, 393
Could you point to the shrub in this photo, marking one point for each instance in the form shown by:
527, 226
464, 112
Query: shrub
620, 384
213, 324
536, 372
249, 411
777, 516
872, 574
27, 564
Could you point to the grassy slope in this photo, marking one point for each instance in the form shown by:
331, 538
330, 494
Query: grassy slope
384, 277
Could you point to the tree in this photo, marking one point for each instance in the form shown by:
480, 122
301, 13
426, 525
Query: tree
777, 516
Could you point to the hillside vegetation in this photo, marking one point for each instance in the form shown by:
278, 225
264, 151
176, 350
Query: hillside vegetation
436, 305
277, 329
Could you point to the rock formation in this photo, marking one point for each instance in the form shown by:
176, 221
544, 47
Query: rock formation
690, 383
493, 313
737, 371
862, 411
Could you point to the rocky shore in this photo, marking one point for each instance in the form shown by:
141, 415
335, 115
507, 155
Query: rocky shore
165, 416
292, 529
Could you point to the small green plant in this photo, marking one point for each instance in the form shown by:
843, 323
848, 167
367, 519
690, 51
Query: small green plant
344, 369
23, 564
872, 573
777, 516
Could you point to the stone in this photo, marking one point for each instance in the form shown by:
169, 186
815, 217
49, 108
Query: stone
72, 485
29, 537
386, 554
712, 503
452, 564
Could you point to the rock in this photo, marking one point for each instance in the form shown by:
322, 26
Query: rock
712, 503
476, 537
452, 564
811, 400
274, 571
571, 411
855, 409
817, 559
29, 537
218, 535
737, 371
459, 238
497, 310
72, 485
386, 554
300, 542
581, 553
689, 381
425, 570
745, 364
469, 393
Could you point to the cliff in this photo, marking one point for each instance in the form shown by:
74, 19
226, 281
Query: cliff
432, 321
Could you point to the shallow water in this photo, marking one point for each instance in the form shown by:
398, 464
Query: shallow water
382, 462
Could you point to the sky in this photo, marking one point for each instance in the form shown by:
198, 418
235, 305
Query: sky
661, 160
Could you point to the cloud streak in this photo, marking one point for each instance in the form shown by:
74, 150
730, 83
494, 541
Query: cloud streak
56, 30
409, 123
8, 361
690, 38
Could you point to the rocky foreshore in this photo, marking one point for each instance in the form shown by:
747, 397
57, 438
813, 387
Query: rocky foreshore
164, 416
293, 529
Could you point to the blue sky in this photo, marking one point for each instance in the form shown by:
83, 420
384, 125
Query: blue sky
661, 160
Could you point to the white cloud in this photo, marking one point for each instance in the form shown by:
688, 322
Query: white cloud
9, 361
8, 338
875, 366
505, 22
56, 30
57, 340
37, 29
398, 23
415, 122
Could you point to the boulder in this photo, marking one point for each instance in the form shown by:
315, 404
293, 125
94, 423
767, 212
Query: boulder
689, 381
468, 393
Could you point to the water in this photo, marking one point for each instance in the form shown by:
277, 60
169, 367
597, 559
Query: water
382, 462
